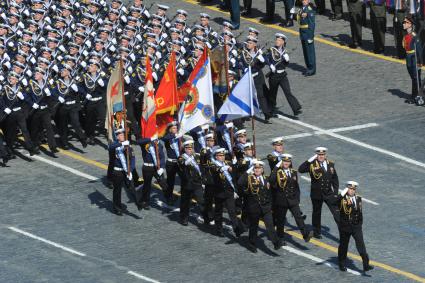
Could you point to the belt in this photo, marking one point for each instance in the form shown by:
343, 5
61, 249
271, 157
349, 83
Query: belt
148, 164
43, 107
95, 98
118, 169
70, 102
410, 51
171, 160
254, 74
16, 109
280, 71
303, 26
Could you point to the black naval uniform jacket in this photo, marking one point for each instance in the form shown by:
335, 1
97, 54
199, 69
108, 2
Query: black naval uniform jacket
258, 195
351, 216
191, 178
324, 184
285, 191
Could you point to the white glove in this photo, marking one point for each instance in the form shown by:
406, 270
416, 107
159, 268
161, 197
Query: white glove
309, 41
32, 60
28, 73
186, 39
180, 71
61, 99
155, 76
127, 79
187, 162
1, 78
235, 53
112, 48
167, 24
130, 176
139, 37
183, 62
130, 69
10, 44
273, 68
205, 127
62, 48
107, 60
83, 64
260, 51
156, 66
47, 92
183, 51
35, 106
77, 5
100, 21
214, 34
208, 45
20, 95
344, 192
100, 82
69, 34
141, 89
224, 168
21, 25
286, 57
55, 68
158, 54
33, 50
229, 125
261, 58
279, 164
311, 159
7, 111
88, 43
160, 172
74, 87
8, 65
85, 53
119, 31
250, 170
233, 61
234, 160
88, 96
132, 57
114, 41
125, 143
235, 196
24, 82
19, 32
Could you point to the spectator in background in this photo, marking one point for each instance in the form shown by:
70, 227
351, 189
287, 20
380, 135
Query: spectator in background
235, 13
378, 22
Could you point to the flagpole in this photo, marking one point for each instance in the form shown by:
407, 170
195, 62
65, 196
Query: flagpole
124, 109
226, 67
252, 111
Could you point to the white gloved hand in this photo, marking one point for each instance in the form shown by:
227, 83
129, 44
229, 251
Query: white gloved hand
125, 143
311, 159
10, 44
88, 96
343, 192
35, 106
261, 58
183, 51
61, 99
130, 176
233, 61
183, 62
234, 160
100, 82
205, 127
158, 54
160, 172
214, 34
309, 41
260, 51
273, 68
235, 196
180, 71
141, 89
7, 111
229, 125
32, 60
33, 50
69, 34
224, 168
20, 95
286, 57
83, 64
132, 57
47, 92
279, 164
156, 66
74, 87
1, 78
155, 76
19, 32
100, 21
112, 48
127, 79
167, 24
62, 48
107, 60
187, 162
235, 53
55, 68
250, 170
85, 53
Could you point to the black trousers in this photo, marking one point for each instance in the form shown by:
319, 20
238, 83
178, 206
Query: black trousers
378, 31
279, 213
254, 219
270, 8
317, 213
229, 203
118, 181
149, 172
95, 113
336, 6
321, 6
17, 119
39, 121
344, 239
69, 115
356, 21
134, 125
172, 170
259, 83
187, 193
276, 80
3, 151
247, 5
208, 202
399, 33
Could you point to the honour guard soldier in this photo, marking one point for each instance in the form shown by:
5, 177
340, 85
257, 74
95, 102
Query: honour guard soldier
191, 186
278, 59
355, 10
66, 90
241, 140
252, 56
224, 193
324, 186
172, 144
153, 166
258, 198
378, 22
306, 20
206, 156
400, 9
276, 155
286, 196
121, 172
351, 215
413, 48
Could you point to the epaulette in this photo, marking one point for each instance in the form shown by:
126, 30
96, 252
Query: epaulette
271, 157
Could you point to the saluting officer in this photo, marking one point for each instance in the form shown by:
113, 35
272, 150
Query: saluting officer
257, 190
191, 186
324, 186
286, 196
351, 215
306, 21
206, 156
278, 150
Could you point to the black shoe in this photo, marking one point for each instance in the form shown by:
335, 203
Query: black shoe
307, 236
332, 17
117, 212
298, 112
65, 147
289, 23
89, 141
54, 150
145, 206
410, 101
267, 20
368, 267
219, 233
342, 267
252, 248
309, 73
353, 45
224, 8
246, 13
184, 221
337, 18
277, 245
238, 232
378, 51
304, 217
34, 151
317, 235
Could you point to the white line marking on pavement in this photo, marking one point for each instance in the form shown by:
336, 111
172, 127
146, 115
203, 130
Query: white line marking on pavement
64, 167
140, 276
363, 198
335, 130
32, 236
316, 259
356, 142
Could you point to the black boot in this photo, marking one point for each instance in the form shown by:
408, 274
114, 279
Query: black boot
366, 265
341, 265
307, 235
252, 247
